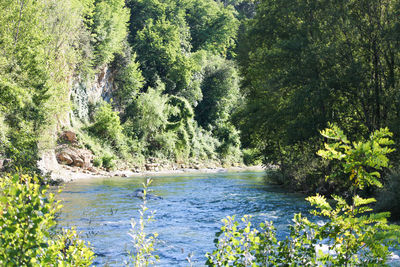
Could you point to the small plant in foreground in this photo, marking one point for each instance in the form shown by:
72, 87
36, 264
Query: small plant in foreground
143, 243
352, 235
27, 224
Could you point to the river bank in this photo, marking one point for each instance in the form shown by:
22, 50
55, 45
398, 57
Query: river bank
65, 174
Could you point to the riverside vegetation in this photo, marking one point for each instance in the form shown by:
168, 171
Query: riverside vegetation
221, 82
350, 234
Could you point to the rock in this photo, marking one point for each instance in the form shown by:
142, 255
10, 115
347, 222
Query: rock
70, 137
151, 160
73, 156
64, 158
151, 166
91, 169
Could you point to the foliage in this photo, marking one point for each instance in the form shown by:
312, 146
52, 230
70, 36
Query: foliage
110, 19
241, 245
66, 249
349, 237
251, 157
128, 78
107, 124
362, 160
220, 91
40, 41
108, 161
351, 234
22, 149
305, 64
213, 26
355, 237
143, 243
148, 113
51, 51
229, 148
160, 49
26, 225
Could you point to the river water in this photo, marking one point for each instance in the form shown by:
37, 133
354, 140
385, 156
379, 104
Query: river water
186, 219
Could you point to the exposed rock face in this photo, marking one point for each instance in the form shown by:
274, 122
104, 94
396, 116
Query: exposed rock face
69, 136
85, 92
73, 156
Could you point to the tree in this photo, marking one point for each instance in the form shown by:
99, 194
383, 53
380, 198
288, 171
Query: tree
212, 25
110, 28
220, 90
305, 66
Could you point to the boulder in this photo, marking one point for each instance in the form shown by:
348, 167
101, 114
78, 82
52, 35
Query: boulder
69, 136
64, 158
73, 156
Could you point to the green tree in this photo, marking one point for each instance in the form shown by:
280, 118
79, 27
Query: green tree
109, 28
213, 26
220, 90
128, 78
304, 66
162, 55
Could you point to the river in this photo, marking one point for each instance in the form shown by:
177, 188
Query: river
186, 218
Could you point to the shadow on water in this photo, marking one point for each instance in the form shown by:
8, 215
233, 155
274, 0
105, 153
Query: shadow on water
188, 213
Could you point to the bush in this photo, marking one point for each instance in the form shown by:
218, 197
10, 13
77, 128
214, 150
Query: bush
23, 151
97, 162
107, 124
251, 157
28, 217
148, 114
108, 161
3, 134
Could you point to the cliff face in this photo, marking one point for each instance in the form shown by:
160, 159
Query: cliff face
87, 93
84, 94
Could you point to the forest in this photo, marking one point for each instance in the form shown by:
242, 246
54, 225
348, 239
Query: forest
210, 83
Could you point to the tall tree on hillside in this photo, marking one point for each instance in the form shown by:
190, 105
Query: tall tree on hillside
109, 28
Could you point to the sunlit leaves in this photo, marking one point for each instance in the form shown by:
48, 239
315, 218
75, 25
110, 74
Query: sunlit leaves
110, 28
362, 160
26, 223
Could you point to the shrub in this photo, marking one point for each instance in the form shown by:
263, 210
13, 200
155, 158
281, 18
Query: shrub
108, 161
97, 162
251, 157
148, 113
107, 124
23, 151
3, 134
28, 217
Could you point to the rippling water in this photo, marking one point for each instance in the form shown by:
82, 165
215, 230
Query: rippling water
186, 218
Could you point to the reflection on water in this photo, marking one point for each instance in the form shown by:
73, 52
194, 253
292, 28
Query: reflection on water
186, 218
